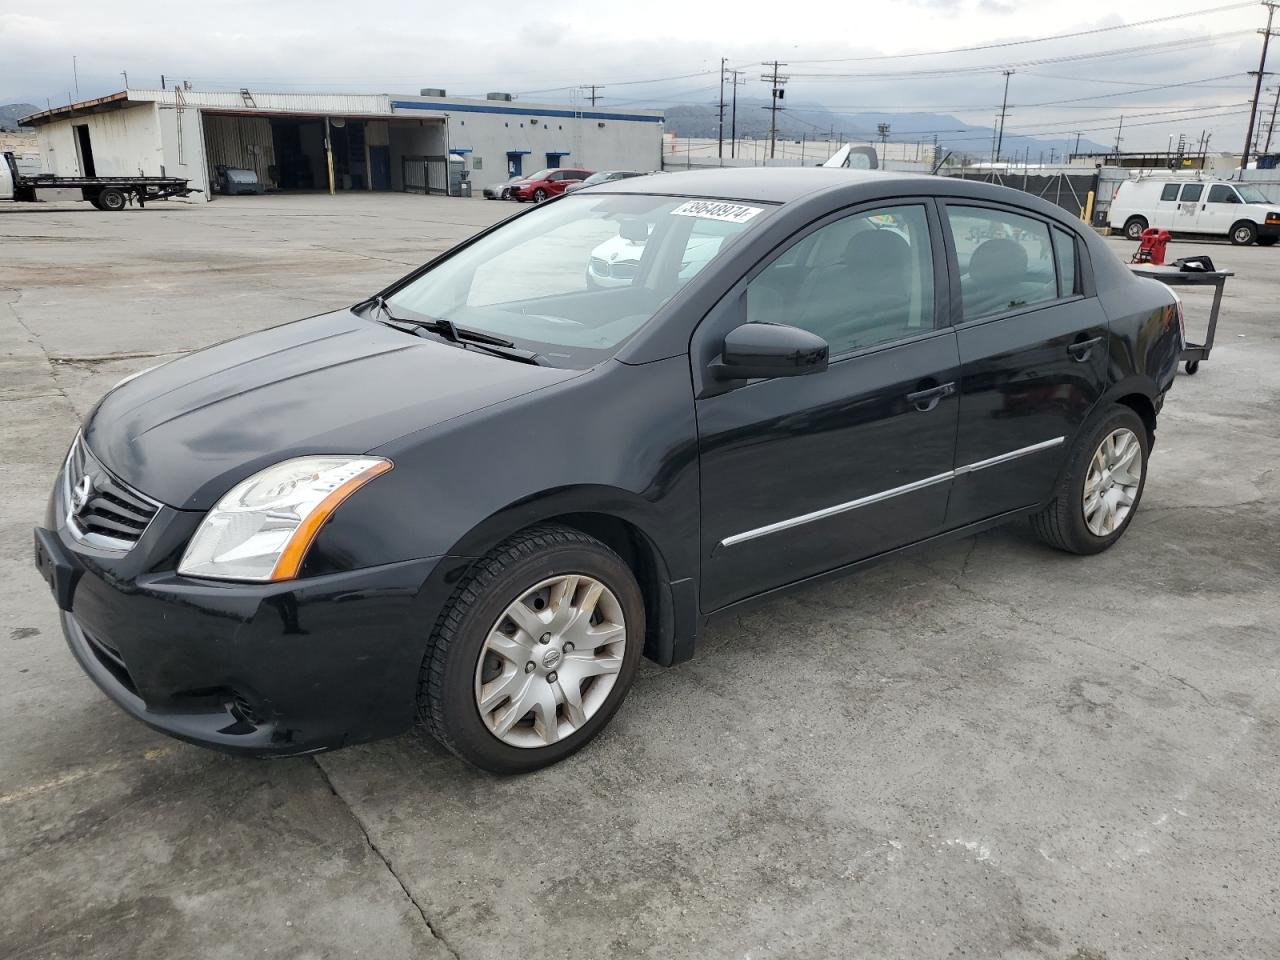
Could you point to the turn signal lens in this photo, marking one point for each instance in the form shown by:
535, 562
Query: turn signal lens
261, 530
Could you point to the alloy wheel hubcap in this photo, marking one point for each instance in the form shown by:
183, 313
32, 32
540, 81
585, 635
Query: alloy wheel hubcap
1111, 484
550, 661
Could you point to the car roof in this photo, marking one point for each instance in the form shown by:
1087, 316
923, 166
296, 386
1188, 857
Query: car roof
764, 184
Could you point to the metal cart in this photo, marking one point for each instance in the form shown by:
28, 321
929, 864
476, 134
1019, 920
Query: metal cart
1171, 276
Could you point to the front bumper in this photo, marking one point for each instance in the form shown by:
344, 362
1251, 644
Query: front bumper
259, 669
1268, 230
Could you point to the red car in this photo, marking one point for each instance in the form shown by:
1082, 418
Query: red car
547, 183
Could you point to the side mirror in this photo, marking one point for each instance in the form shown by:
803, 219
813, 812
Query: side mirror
633, 229
756, 350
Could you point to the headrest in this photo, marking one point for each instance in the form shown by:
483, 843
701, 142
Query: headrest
998, 259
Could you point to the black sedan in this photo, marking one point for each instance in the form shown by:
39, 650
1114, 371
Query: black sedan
474, 500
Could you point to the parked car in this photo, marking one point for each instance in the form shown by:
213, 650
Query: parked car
616, 262
547, 183
604, 176
500, 191
1238, 211
475, 505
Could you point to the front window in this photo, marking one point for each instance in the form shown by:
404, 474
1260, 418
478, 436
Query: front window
1251, 194
575, 279
1221, 193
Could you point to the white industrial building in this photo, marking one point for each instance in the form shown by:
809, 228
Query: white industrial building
335, 142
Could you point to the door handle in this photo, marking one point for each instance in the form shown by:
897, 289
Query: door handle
926, 400
1081, 349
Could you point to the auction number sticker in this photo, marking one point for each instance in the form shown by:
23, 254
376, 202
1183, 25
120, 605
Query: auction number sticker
715, 210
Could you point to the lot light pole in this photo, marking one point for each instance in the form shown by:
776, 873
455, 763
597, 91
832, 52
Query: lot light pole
1257, 84
720, 115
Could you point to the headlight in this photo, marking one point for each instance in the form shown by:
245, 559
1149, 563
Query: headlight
261, 529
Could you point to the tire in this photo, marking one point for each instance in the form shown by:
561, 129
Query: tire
458, 657
1063, 523
1243, 233
111, 199
539, 195
1267, 241
1134, 226
1192, 367
97, 204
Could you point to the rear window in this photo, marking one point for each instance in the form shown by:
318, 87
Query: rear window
1191, 192
1170, 192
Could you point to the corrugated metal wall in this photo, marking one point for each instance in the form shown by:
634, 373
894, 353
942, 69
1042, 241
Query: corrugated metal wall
244, 142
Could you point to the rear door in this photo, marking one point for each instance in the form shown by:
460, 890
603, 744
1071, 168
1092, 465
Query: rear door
1188, 207
1033, 351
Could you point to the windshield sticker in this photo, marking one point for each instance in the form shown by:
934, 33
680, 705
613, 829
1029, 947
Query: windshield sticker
714, 210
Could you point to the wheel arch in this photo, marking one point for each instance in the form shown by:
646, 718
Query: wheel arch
626, 524
1145, 408
1244, 221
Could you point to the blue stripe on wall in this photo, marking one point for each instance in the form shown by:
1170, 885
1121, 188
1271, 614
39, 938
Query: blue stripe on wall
520, 111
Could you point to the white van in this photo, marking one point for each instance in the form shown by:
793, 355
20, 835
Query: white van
1238, 211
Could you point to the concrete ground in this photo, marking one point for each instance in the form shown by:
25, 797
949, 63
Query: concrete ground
986, 749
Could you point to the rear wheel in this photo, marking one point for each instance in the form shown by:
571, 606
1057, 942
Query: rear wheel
1134, 226
111, 199
1244, 233
1100, 489
534, 652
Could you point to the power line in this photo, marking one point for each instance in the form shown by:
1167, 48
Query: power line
1017, 43
1167, 46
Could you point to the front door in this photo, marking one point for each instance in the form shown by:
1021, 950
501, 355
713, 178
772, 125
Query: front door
380, 168
801, 475
1033, 351
1220, 209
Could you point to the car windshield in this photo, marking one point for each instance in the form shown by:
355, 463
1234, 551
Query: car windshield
595, 178
540, 175
575, 279
1251, 194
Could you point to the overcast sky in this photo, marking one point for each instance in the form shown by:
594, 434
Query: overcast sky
530, 48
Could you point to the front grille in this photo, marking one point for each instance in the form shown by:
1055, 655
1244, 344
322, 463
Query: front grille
624, 269
102, 511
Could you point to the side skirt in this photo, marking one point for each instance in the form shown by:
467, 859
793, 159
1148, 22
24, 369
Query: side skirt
738, 606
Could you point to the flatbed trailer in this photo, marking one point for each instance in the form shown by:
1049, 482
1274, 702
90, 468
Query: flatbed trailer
105, 193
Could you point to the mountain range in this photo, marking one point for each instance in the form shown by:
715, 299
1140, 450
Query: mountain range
10, 113
818, 123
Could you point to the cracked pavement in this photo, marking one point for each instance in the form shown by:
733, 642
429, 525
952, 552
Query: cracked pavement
985, 749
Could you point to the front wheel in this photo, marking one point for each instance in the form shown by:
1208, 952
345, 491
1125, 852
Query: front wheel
1133, 228
534, 652
539, 195
1100, 488
1243, 233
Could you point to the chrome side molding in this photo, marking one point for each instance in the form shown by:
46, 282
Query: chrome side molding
866, 501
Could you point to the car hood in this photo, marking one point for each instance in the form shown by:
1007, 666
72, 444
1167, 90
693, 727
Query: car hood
188, 431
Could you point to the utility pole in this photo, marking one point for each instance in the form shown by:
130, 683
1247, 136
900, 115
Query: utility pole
720, 115
1004, 108
75, 73
1271, 127
733, 122
1118, 137
592, 96
1257, 84
883, 130
775, 88
1077, 149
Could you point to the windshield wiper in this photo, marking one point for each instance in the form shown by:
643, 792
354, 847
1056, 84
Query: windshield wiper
461, 335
